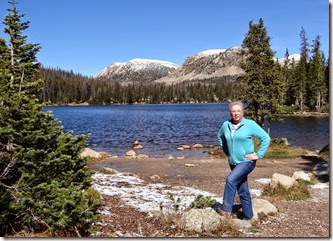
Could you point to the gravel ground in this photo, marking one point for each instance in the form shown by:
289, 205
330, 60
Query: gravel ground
302, 219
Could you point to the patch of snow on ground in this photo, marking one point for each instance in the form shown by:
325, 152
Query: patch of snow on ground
263, 180
147, 197
320, 186
256, 192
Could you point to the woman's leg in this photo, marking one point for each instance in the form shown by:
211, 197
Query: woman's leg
234, 181
245, 199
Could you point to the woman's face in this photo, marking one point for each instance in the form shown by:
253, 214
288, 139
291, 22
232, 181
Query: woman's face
236, 113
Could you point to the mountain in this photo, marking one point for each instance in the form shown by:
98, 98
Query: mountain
212, 64
137, 70
209, 64
295, 57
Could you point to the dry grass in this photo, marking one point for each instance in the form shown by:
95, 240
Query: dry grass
296, 192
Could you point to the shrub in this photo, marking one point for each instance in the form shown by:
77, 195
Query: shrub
202, 202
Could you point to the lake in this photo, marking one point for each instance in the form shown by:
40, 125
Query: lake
164, 127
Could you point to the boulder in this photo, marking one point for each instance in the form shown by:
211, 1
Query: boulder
87, 152
186, 147
284, 180
262, 206
242, 224
142, 156
201, 220
135, 143
108, 170
191, 165
180, 149
301, 175
137, 147
198, 146
131, 154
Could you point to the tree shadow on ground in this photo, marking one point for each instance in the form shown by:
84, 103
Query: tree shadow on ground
318, 166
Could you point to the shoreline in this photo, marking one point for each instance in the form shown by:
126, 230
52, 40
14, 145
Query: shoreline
85, 104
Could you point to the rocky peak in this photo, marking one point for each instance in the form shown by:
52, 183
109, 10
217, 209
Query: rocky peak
208, 64
137, 70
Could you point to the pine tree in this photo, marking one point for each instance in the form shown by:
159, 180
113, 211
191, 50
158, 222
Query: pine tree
262, 81
43, 180
302, 71
316, 88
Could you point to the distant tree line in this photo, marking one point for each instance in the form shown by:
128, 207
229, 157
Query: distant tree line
299, 85
64, 87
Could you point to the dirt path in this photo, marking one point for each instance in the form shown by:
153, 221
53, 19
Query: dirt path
295, 219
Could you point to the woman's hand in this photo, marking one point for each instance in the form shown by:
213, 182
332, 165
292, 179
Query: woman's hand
252, 156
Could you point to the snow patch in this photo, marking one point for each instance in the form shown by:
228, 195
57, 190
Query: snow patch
263, 180
320, 186
146, 197
209, 52
256, 192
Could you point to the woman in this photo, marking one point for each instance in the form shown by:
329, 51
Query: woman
235, 138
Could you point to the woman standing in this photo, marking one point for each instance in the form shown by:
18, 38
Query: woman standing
235, 138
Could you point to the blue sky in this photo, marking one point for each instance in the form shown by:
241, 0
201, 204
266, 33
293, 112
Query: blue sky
87, 35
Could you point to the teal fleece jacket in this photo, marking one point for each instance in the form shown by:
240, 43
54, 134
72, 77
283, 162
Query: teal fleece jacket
241, 144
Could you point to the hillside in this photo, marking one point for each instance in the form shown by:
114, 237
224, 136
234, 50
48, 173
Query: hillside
137, 70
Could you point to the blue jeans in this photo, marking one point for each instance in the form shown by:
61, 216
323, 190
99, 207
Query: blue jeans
237, 181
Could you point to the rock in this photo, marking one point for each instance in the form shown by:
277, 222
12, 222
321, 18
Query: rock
280, 141
243, 224
186, 147
155, 177
87, 152
135, 143
105, 154
197, 146
108, 170
131, 154
142, 156
191, 165
180, 157
137, 147
262, 206
201, 220
171, 158
284, 180
180, 149
301, 175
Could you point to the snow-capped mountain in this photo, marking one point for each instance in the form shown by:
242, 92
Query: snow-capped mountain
208, 64
293, 57
137, 70
211, 64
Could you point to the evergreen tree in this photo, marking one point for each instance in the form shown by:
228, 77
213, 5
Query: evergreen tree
316, 88
43, 180
302, 71
263, 86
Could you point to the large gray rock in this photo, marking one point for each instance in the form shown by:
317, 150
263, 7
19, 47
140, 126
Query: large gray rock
201, 220
284, 180
301, 175
87, 152
262, 206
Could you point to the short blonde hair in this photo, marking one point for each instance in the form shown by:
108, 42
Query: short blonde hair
236, 103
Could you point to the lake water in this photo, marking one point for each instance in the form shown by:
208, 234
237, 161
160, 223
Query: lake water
162, 128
